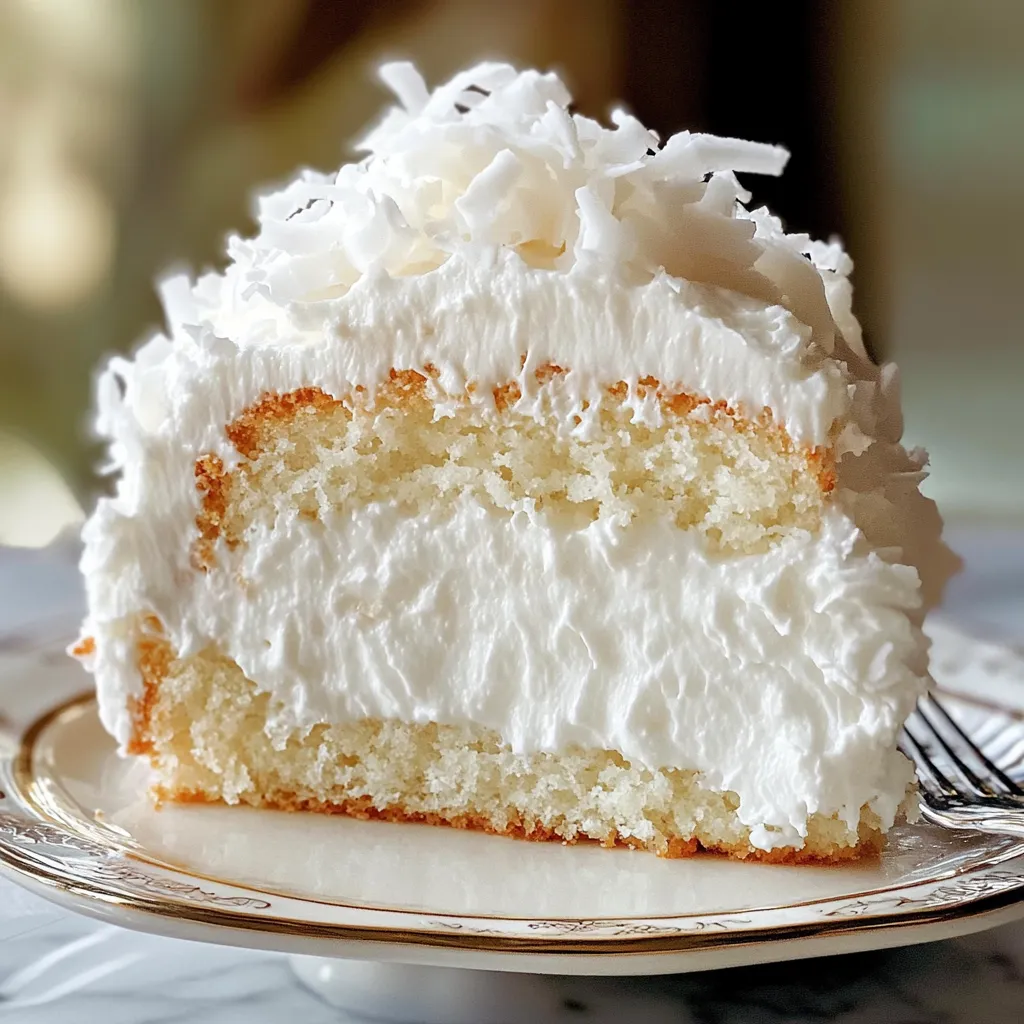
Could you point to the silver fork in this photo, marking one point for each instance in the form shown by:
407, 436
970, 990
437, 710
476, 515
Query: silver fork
969, 791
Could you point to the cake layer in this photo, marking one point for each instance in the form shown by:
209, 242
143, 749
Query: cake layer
205, 730
489, 330
742, 484
783, 676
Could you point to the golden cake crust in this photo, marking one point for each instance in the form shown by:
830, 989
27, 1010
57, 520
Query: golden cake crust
363, 809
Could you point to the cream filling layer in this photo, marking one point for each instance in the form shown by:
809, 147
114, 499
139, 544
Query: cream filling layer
475, 320
784, 676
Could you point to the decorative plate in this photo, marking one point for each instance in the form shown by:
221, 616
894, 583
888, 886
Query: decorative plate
76, 827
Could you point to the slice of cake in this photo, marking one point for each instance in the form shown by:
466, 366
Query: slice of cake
519, 477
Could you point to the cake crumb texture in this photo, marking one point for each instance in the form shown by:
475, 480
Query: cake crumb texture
210, 737
742, 483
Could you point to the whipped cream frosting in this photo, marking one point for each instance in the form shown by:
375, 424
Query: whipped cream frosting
487, 224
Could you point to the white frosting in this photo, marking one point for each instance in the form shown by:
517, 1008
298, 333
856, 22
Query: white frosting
474, 320
482, 229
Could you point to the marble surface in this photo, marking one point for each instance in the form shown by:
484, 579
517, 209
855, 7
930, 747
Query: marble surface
57, 967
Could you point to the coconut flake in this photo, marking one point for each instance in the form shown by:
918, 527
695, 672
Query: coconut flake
402, 78
601, 233
487, 193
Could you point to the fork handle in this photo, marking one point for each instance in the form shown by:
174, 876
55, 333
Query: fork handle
1005, 824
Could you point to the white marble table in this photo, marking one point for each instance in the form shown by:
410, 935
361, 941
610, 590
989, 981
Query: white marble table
57, 967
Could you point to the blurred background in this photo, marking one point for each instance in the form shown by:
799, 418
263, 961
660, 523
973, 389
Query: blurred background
133, 131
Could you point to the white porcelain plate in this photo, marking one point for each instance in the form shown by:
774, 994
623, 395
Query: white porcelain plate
76, 827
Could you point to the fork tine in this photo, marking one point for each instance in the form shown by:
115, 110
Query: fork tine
1007, 748
979, 787
931, 779
997, 772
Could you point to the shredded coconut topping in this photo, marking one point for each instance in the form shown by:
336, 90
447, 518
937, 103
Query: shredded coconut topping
494, 159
